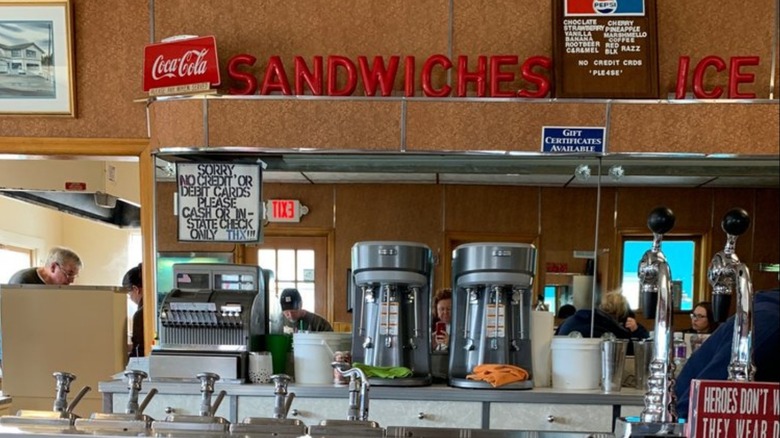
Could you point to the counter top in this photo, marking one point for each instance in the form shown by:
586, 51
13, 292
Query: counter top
627, 396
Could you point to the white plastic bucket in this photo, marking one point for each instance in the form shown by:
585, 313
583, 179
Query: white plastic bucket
313, 353
576, 363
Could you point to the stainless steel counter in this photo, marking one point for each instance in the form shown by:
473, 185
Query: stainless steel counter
627, 396
489, 400
436, 405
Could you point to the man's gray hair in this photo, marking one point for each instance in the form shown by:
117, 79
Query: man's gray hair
63, 256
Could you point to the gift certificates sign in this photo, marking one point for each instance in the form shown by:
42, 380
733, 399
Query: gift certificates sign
605, 49
219, 202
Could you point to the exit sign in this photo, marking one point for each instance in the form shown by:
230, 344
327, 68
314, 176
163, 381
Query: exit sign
283, 210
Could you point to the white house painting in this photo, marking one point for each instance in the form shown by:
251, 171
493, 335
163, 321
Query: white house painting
26, 59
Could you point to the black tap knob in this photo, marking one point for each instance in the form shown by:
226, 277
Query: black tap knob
721, 303
660, 220
735, 222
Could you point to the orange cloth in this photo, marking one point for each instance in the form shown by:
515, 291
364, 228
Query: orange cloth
498, 374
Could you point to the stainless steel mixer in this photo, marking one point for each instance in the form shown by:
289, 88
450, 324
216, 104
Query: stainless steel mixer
491, 310
391, 325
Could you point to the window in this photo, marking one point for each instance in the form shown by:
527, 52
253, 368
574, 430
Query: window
30, 53
13, 259
294, 261
292, 268
680, 254
551, 298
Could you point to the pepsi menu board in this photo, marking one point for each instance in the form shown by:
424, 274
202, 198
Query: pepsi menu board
605, 49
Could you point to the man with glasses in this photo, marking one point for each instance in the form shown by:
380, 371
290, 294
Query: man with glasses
61, 268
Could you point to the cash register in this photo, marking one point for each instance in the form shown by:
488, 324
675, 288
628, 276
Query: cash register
208, 321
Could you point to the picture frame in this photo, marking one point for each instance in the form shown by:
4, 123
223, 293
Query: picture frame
36, 58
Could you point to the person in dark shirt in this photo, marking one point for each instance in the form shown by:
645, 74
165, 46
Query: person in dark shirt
702, 319
607, 318
298, 319
133, 283
565, 311
711, 360
62, 267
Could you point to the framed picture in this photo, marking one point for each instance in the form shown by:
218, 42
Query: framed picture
36, 57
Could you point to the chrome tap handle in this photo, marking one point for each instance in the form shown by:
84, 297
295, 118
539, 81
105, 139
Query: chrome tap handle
217, 402
207, 381
134, 379
152, 392
723, 270
660, 221
283, 400
63, 388
728, 274
77, 399
655, 281
358, 391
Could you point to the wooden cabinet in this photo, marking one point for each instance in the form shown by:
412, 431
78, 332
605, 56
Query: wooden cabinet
5, 406
76, 329
552, 417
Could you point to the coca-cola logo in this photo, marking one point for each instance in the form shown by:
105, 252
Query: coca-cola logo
181, 63
191, 63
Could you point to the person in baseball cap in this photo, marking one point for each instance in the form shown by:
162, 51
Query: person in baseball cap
297, 318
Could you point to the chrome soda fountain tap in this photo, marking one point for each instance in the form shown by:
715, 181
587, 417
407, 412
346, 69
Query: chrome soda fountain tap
655, 282
63, 388
134, 379
358, 391
283, 399
207, 389
726, 273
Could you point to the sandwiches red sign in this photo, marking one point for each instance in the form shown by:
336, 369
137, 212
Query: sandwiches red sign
182, 64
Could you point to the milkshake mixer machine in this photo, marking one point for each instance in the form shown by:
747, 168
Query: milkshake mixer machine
491, 310
390, 316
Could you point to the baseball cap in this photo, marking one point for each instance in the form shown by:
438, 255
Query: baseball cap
290, 299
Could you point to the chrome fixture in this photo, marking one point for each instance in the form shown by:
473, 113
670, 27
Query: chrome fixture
655, 281
134, 379
582, 172
283, 399
358, 391
207, 381
726, 273
63, 388
616, 172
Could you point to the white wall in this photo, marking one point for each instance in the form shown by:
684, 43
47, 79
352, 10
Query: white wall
102, 248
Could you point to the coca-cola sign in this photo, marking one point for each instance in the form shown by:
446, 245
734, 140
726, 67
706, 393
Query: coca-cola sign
181, 63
